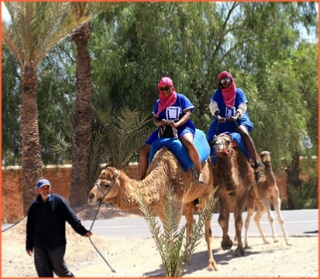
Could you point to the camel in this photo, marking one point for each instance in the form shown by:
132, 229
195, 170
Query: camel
234, 176
268, 192
164, 171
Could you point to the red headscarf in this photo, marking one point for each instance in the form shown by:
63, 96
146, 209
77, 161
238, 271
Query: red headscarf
166, 101
229, 94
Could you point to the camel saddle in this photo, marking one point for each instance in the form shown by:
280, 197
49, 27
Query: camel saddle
178, 149
237, 142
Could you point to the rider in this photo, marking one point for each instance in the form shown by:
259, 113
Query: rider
172, 113
230, 103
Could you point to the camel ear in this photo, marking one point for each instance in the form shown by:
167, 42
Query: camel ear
116, 174
213, 142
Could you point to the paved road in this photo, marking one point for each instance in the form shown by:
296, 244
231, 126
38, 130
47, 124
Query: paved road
297, 223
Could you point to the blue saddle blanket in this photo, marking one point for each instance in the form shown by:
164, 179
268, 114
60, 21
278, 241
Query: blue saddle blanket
240, 144
178, 149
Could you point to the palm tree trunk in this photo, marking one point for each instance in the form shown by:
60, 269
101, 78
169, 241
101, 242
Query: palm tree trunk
82, 119
31, 151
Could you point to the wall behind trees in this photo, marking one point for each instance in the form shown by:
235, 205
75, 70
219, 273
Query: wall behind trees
59, 177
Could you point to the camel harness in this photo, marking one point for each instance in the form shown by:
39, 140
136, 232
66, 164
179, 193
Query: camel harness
104, 195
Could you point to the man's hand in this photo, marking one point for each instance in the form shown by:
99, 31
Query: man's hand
88, 234
29, 252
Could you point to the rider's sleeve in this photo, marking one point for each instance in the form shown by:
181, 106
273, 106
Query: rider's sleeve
213, 106
242, 109
185, 102
156, 106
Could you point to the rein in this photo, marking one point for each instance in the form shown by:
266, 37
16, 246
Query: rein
95, 216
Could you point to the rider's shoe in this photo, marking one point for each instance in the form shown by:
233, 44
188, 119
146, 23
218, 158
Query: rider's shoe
259, 167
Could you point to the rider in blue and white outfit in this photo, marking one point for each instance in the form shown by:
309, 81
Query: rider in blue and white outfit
172, 113
230, 103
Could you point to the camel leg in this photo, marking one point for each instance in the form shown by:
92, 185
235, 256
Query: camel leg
208, 233
189, 217
267, 207
241, 203
250, 212
263, 205
277, 205
223, 220
212, 265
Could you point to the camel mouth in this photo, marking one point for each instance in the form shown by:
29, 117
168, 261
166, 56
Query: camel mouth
224, 153
93, 202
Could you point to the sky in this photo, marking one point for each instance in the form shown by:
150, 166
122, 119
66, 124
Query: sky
4, 11
6, 17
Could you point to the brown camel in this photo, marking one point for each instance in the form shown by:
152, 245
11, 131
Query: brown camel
164, 171
269, 192
234, 176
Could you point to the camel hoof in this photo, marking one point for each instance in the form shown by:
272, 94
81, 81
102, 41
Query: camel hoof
226, 244
239, 252
212, 266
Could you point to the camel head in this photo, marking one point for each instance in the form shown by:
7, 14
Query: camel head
222, 144
265, 156
104, 187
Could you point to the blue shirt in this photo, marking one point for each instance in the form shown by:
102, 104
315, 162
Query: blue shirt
174, 113
46, 223
226, 112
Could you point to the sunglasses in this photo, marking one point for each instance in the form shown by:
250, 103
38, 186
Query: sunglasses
166, 88
224, 80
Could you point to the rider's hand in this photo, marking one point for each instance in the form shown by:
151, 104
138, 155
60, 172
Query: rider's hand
232, 118
163, 122
221, 119
172, 124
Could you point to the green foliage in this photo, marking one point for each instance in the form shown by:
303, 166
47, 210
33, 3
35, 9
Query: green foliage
134, 44
174, 249
55, 99
306, 196
115, 136
11, 105
36, 27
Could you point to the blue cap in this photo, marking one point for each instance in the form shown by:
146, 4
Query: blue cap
43, 182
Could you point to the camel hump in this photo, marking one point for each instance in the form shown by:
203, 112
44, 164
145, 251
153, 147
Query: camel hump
178, 149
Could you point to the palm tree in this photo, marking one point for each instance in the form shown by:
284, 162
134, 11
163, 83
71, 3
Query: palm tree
82, 117
35, 28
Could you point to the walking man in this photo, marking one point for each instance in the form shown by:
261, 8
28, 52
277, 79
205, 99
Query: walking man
46, 231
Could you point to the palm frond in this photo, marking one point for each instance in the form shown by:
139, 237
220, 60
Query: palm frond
170, 240
36, 28
127, 132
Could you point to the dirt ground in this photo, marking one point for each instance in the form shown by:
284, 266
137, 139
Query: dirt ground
132, 257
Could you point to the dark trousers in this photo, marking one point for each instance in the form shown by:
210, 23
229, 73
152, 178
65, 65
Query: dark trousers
51, 260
